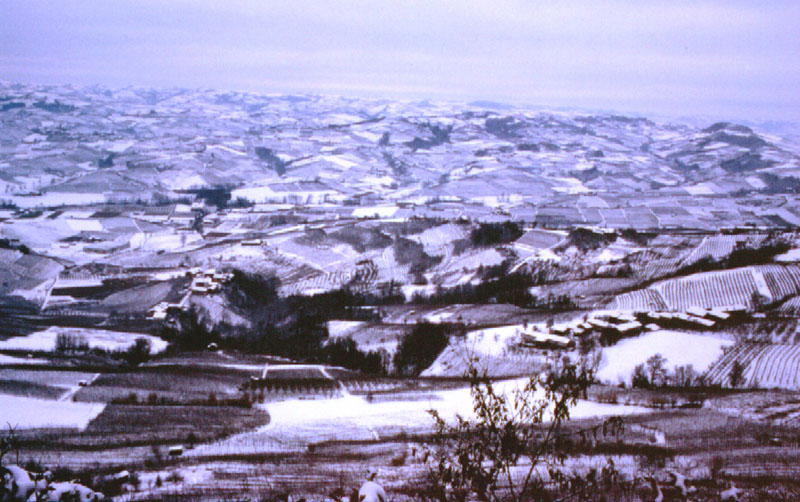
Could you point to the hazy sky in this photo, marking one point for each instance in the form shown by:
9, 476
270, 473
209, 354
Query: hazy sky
717, 58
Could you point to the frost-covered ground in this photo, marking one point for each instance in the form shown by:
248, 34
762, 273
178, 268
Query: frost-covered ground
679, 349
31, 413
108, 340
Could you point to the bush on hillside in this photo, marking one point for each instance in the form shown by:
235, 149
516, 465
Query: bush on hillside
587, 239
491, 234
420, 348
344, 352
412, 253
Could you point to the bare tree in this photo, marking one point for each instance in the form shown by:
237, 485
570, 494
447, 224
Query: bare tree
656, 367
736, 376
515, 441
9, 442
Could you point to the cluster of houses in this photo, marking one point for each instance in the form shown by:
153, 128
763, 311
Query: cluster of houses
203, 282
616, 325
181, 214
163, 310
207, 281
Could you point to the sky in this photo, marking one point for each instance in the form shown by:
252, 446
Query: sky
726, 59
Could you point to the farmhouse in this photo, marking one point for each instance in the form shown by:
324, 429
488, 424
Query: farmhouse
299, 192
222, 277
156, 214
202, 285
209, 281
718, 315
694, 320
159, 312
77, 286
629, 328
174, 308
697, 311
182, 214
599, 324
545, 340
734, 309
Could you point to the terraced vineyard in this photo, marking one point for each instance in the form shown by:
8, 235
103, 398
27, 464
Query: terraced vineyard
388, 267
773, 328
715, 289
790, 306
765, 366
650, 264
776, 366
719, 373
782, 281
473, 259
368, 386
539, 239
272, 389
717, 247
437, 237
642, 299
454, 362
362, 276
733, 287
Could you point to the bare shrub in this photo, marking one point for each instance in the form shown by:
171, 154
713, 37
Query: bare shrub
504, 452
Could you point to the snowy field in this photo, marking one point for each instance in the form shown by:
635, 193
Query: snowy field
296, 423
488, 346
341, 329
31, 413
493, 341
409, 290
108, 340
679, 349
4, 359
489, 342
53, 199
165, 241
790, 256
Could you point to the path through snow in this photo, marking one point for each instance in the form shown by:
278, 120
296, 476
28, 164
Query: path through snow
67, 396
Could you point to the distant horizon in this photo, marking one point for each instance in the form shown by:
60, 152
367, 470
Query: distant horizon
790, 127
732, 60
675, 115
